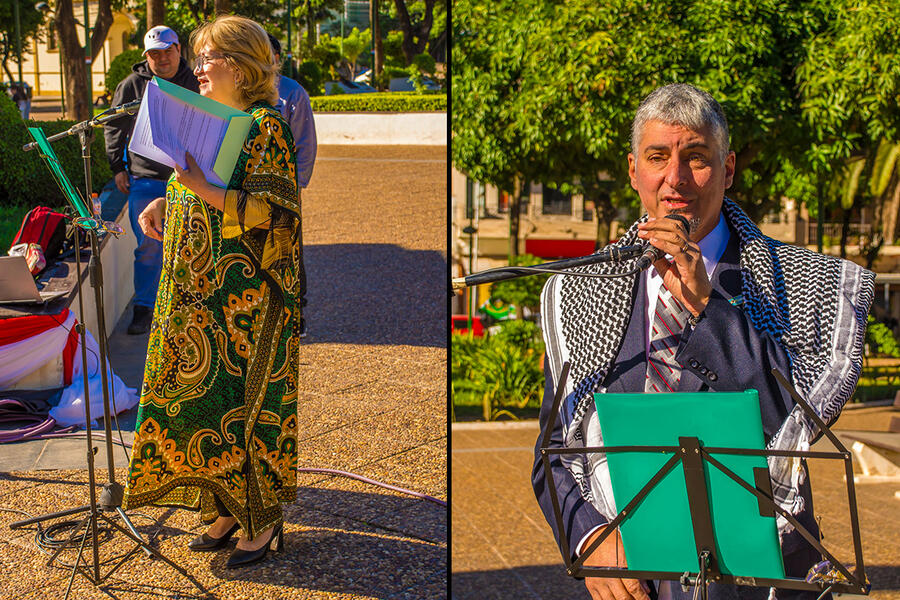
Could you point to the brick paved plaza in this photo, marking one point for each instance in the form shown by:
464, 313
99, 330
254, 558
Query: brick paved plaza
372, 401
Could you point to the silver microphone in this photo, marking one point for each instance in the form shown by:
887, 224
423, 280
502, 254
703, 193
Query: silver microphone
652, 253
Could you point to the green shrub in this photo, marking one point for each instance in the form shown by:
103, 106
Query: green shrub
424, 63
502, 371
880, 339
523, 334
24, 177
310, 76
120, 68
381, 102
10, 221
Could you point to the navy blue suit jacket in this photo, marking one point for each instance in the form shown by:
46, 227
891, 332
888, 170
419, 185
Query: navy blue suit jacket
724, 352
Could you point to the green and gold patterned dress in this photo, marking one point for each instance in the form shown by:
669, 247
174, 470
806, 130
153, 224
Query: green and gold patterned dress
218, 410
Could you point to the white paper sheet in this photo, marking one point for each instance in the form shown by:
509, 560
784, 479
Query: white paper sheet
167, 127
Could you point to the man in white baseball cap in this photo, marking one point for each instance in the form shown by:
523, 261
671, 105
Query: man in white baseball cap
141, 178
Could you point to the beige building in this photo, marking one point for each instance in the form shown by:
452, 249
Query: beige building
41, 65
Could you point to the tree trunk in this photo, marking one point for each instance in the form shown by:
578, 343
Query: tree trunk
101, 27
515, 214
604, 212
845, 230
6, 68
156, 13
77, 106
223, 7
420, 31
310, 26
892, 207
377, 45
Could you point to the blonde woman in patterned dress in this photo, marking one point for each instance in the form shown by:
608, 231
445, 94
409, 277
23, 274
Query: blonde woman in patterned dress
217, 425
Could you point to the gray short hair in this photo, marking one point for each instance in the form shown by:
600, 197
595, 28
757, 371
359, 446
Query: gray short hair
684, 105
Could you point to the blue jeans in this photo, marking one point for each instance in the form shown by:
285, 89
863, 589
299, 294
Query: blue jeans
148, 254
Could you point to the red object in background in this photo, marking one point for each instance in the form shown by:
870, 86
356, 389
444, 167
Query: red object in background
19, 329
460, 324
559, 248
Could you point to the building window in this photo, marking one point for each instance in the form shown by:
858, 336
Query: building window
555, 202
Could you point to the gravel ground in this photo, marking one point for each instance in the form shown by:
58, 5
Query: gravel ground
372, 401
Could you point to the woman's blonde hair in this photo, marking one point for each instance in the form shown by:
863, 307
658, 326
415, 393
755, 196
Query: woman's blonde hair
246, 47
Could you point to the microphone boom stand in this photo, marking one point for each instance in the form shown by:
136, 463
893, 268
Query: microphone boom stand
113, 491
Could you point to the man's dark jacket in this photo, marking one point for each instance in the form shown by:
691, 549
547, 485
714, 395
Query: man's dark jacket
724, 352
118, 131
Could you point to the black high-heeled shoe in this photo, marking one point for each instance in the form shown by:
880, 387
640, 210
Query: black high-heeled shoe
204, 542
240, 558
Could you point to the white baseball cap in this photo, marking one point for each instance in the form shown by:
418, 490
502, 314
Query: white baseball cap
159, 38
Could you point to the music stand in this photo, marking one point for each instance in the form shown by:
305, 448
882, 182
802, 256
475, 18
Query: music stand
695, 457
113, 492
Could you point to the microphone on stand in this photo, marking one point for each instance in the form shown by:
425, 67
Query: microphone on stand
502, 273
115, 112
129, 108
648, 255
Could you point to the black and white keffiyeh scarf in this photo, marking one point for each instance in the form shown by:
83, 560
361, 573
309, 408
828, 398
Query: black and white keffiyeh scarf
814, 306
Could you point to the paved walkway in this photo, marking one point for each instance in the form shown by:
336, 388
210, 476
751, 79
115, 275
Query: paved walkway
502, 548
373, 401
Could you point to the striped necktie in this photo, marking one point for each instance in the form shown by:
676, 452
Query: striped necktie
663, 371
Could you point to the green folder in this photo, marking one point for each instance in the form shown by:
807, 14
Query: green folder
658, 535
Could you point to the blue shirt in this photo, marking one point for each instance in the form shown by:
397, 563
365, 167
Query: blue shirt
293, 104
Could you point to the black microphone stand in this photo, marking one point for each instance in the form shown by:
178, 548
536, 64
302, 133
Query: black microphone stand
614, 254
113, 491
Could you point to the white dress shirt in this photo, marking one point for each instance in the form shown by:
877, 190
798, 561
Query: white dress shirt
712, 246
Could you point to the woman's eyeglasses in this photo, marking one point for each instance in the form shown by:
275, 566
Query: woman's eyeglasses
202, 59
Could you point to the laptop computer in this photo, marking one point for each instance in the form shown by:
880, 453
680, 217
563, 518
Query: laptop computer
17, 285
658, 535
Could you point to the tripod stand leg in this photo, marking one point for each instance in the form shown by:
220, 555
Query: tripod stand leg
133, 530
62, 513
86, 523
82, 524
147, 547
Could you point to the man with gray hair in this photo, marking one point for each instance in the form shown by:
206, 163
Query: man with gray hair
718, 310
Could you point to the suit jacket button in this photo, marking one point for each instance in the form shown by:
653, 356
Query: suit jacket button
694, 364
703, 370
712, 376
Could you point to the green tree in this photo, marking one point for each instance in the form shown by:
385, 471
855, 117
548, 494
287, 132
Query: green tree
416, 19
78, 105
546, 91
29, 25
521, 291
354, 44
849, 82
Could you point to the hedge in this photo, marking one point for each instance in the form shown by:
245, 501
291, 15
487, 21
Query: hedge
24, 177
380, 102
121, 67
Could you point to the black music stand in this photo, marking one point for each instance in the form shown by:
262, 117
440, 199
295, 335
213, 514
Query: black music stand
692, 454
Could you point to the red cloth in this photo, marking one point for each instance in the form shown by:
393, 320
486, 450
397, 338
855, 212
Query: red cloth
69, 354
21, 328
